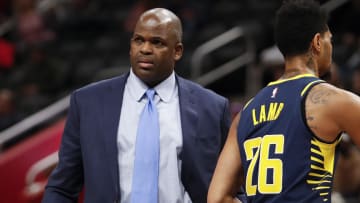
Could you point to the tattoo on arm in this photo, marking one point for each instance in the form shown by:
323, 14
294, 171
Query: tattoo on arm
309, 119
321, 96
313, 127
318, 96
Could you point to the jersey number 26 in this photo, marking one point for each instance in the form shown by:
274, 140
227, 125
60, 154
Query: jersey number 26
257, 152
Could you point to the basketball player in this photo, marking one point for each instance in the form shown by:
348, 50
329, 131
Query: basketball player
283, 148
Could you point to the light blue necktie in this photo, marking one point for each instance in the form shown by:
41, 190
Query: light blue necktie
147, 151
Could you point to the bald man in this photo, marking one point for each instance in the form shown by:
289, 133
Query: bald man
99, 148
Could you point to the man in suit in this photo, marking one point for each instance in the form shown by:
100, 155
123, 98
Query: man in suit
99, 141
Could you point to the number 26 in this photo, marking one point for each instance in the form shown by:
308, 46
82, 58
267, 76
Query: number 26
257, 151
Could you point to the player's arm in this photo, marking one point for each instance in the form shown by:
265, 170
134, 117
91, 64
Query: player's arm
347, 114
228, 175
331, 110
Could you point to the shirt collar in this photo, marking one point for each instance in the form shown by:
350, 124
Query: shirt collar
165, 90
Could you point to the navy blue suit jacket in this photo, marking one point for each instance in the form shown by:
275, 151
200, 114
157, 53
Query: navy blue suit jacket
88, 153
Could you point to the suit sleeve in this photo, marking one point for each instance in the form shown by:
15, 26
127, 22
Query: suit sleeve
226, 122
66, 181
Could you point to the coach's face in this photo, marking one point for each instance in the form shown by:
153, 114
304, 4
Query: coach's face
154, 49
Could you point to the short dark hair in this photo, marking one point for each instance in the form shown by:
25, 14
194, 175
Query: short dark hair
296, 23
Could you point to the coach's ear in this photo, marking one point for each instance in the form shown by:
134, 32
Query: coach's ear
179, 48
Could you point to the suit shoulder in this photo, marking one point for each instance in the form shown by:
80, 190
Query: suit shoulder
102, 85
200, 90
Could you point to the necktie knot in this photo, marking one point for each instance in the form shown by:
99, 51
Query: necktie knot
150, 93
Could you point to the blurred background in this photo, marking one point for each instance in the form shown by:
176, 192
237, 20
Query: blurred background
48, 48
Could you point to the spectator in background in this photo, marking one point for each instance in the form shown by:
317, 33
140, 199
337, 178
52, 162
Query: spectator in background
45, 71
354, 59
345, 47
8, 112
30, 25
5, 10
7, 45
7, 55
346, 18
136, 10
39, 81
272, 63
7, 61
334, 76
192, 13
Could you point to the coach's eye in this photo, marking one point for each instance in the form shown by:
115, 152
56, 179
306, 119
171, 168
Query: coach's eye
157, 43
138, 40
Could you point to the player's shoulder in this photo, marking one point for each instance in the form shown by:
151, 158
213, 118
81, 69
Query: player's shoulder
325, 90
331, 96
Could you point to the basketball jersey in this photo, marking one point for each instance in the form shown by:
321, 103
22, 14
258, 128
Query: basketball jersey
283, 160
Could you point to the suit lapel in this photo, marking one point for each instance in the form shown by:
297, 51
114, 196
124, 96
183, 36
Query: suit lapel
188, 114
112, 102
189, 120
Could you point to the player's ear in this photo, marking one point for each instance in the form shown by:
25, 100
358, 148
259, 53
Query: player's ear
315, 44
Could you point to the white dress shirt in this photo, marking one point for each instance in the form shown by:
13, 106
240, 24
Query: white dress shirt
171, 189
